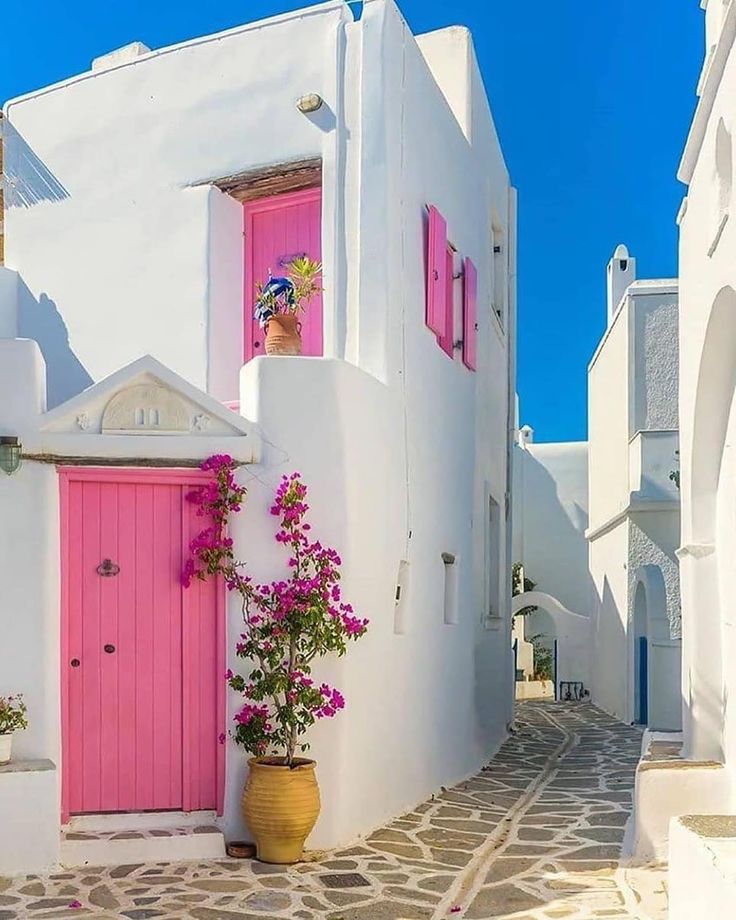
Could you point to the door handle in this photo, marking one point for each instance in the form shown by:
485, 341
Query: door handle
108, 569
75, 662
109, 649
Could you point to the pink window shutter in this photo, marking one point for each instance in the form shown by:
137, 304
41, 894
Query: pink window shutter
436, 273
470, 315
445, 340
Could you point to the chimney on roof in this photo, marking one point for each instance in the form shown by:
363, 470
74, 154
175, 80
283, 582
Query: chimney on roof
620, 274
526, 435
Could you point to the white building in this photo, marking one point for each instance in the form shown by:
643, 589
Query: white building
140, 206
706, 782
634, 501
550, 517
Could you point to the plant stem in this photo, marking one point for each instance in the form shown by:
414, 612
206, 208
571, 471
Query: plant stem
292, 734
261, 660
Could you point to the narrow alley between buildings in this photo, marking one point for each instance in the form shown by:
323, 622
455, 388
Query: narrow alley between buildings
537, 835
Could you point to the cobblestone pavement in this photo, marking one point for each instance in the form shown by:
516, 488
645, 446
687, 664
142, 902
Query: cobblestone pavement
535, 836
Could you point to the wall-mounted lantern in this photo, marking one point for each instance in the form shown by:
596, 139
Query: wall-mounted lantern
10, 452
309, 103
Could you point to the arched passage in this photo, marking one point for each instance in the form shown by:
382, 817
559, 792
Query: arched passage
571, 630
656, 679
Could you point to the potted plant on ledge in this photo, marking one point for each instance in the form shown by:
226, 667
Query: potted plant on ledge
280, 301
288, 625
12, 719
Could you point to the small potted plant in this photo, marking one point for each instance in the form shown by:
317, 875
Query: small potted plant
12, 719
288, 624
280, 301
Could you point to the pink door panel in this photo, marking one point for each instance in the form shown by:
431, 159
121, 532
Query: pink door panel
204, 698
136, 648
277, 229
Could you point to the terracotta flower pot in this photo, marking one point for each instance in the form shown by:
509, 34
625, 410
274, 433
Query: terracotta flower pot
6, 744
283, 335
281, 806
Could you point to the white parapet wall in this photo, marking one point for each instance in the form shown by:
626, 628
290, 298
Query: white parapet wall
32, 833
667, 786
702, 871
535, 690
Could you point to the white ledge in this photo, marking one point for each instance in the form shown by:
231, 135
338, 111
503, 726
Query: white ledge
695, 550
636, 504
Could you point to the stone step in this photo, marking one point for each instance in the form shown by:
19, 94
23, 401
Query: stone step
702, 871
668, 785
140, 845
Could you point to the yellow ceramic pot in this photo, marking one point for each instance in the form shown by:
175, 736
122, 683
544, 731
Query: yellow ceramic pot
281, 805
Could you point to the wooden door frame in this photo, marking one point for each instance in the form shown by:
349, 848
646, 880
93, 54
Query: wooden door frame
260, 206
134, 475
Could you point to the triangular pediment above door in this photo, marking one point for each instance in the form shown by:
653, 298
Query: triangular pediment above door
145, 409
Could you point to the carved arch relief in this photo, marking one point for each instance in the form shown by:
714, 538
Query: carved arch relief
146, 408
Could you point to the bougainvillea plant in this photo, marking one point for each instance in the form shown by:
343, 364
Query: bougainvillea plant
288, 623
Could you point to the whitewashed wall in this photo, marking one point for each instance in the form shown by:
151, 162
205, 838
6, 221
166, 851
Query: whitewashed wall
550, 520
707, 379
608, 422
608, 434
611, 677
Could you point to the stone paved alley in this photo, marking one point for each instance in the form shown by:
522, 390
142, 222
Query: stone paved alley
535, 836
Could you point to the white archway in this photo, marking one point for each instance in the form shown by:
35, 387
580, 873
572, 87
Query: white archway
655, 676
702, 659
572, 631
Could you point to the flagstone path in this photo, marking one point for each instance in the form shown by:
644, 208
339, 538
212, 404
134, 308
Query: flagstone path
535, 836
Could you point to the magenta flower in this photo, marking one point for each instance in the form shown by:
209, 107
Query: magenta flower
288, 623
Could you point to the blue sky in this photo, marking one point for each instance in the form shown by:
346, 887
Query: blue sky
592, 101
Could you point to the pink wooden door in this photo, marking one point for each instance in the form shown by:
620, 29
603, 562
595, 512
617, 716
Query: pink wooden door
277, 229
142, 658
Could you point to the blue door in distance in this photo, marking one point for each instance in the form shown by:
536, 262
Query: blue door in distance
643, 714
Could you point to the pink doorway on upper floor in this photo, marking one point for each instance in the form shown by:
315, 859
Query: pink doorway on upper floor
278, 229
143, 693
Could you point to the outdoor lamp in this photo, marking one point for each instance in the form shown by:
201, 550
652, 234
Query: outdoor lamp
309, 103
10, 451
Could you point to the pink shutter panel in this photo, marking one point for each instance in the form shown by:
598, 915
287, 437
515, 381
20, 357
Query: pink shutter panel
445, 341
470, 315
436, 272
